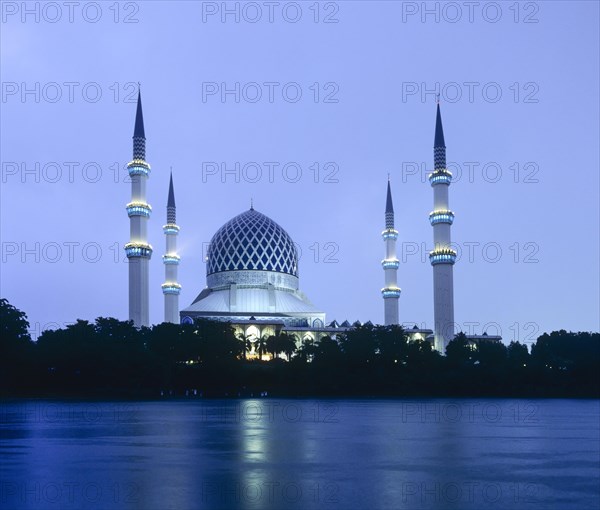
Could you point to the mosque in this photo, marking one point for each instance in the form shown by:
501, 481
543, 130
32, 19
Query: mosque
252, 277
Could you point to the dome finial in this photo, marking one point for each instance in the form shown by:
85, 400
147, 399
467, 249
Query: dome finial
251, 204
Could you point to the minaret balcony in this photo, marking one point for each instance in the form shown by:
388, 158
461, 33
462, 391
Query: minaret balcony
391, 292
442, 256
138, 167
171, 259
442, 176
390, 263
441, 217
389, 233
136, 250
171, 288
171, 228
138, 209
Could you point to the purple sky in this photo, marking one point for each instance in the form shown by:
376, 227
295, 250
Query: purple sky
526, 216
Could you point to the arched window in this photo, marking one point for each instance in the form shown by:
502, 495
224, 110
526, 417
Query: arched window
252, 332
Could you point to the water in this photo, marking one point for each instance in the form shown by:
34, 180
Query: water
304, 454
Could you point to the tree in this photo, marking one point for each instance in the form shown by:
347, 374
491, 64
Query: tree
391, 343
16, 347
246, 343
73, 357
165, 343
260, 345
273, 345
491, 354
359, 344
121, 352
306, 351
217, 341
560, 350
459, 350
118, 339
287, 344
518, 355
13, 324
421, 353
327, 351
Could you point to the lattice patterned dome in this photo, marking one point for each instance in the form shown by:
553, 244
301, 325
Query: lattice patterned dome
252, 242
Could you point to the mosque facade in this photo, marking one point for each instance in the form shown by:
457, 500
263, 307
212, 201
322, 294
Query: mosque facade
252, 276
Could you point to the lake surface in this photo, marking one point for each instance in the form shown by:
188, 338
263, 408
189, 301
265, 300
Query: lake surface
300, 454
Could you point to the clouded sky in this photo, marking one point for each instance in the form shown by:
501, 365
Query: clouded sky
305, 108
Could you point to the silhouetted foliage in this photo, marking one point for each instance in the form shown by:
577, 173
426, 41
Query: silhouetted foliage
491, 354
391, 344
306, 351
518, 355
420, 353
246, 344
459, 351
111, 357
327, 351
15, 345
359, 344
287, 345
272, 346
13, 325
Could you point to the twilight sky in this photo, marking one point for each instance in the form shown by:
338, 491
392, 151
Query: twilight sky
314, 103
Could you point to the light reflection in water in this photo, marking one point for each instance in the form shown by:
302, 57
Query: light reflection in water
268, 454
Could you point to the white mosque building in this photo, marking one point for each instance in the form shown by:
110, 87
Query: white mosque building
252, 277
252, 280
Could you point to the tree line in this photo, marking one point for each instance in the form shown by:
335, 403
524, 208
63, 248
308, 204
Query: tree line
112, 358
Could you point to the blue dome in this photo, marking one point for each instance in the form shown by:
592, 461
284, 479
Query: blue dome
252, 242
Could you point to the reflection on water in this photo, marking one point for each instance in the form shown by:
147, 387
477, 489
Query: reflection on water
304, 454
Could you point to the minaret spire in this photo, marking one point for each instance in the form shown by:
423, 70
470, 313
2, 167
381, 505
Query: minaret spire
389, 208
391, 291
138, 250
138, 131
171, 287
139, 134
442, 257
439, 129
171, 210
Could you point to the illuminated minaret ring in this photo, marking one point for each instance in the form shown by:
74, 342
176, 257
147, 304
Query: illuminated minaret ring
442, 257
138, 250
171, 287
391, 291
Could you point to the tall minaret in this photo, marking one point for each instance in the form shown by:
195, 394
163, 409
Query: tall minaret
442, 257
391, 291
138, 250
171, 288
